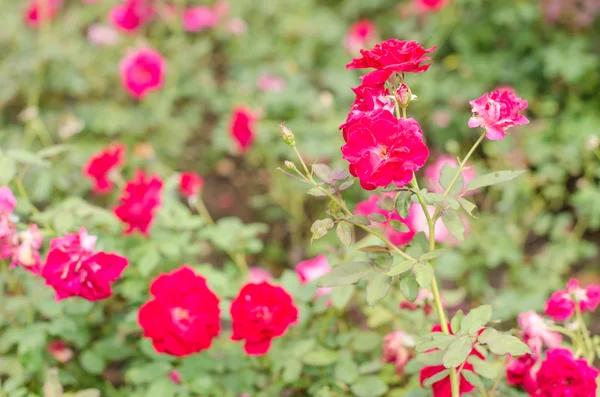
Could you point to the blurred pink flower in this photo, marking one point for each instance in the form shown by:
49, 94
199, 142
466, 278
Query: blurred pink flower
259, 275
242, 128
39, 10
360, 35
396, 347
198, 18
59, 351
433, 171
417, 221
441, 118
103, 35
142, 72
131, 15
430, 5
312, 269
270, 83
237, 26
175, 376
561, 305
536, 332
221, 8
26, 254
8, 202
424, 301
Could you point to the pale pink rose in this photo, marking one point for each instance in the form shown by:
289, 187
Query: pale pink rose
198, 18
396, 349
237, 26
59, 351
259, 275
269, 83
537, 333
8, 202
433, 172
26, 254
360, 35
142, 72
312, 269
99, 34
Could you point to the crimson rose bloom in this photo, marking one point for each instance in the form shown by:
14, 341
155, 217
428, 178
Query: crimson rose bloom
139, 202
382, 149
73, 269
100, 165
241, 127
521, 371
142, 72
183, 317
190, 184
561, 305
442, 387
367, 100
497, 112
260, 313
562, 375
392, 56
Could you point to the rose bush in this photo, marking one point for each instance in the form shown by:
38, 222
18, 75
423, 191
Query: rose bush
150, 247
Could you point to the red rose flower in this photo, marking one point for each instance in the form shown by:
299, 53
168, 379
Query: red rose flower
142, 72
131, 15
100, 165
562, 375
561, 305
183, 317
73, 269
190, 184
392, 56
260, 313
522, 372
382, 149
367, 100
241, 127
442, 387
497, 112
41, 10
430, 5
139, 202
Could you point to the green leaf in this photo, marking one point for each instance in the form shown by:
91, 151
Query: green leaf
359, 220
454, 224
403, 203
453, 203
91, 362
346, 184
149, 261
475, 320
483, 368
346, 370
401, 267
399, 226
472, 378
161, 388
436, 378
457, 352
291, 371
456, 320
322, 171
431, 358
423, 274
378, 288
147, 373
366, 342
502, 343
493, 178
433, 254
340, 296
344, 233
54, 150
376, 217
346, 274
435, 340
375, 248
316, 192
320, 227
386, 203
468, 206
320, 358
409, 286
8, 169
369, 386
447, 173
301, 347
27, 157
88, 393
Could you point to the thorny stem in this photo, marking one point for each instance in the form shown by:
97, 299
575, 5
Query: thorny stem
237, 257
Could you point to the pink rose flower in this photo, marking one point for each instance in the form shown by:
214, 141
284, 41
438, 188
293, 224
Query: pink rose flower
269, 83
370, 206
360, 34
259, 275
382, 149
417, 221
27, 253
198, 18
392, 56
497, 112
130, 15
433, 172
242, 128
312, 269
103, 35
430, 5
8, 202
536, 332
396, 349
73, 269
561, 305
563, 375
142, 72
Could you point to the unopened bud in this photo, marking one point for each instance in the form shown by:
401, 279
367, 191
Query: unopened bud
287, 135
403, 95
289, 165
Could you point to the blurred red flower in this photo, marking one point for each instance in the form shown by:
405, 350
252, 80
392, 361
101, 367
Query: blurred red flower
142, 72
184, 315
100, 166
139, 202
131, 15
241, 127
360, 34
190, 184
38, 11
260, 313
430, 5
